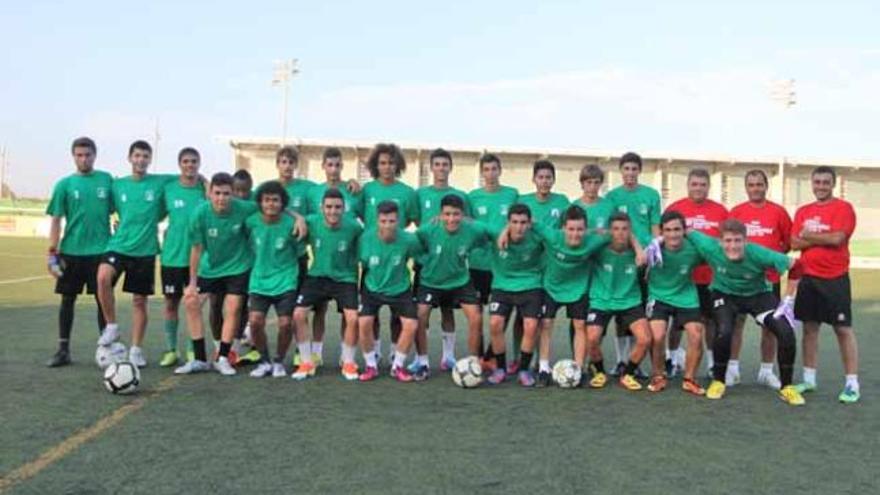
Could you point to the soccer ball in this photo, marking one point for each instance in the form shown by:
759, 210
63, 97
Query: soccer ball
122, 377
106, 355
566, 373
467, 372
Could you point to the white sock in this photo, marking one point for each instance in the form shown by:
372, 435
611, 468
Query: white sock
679, 356
399, 360
305, 352
448, 345
377, 347
544, 365
766, 368
668, 354
112, 326
710, 361
620, 347
852, 381
347, 353
422, 359
810, 376
733, 366
318, 348
370, 359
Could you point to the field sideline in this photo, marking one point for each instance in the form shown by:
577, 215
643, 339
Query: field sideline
210, 433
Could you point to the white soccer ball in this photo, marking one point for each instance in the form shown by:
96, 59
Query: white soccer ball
567, 373
467, 372
113, 353
122, 377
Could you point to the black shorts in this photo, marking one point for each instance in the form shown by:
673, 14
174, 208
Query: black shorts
316, 291
78, 271
528, 303
660, 311
824, 300
284, 303
303, 262
777, 290
575, 310
723, 305
622, 318
174, 280
705, 296
482, 281
236, 285
447, 298
643, 284
140, 272
401, 304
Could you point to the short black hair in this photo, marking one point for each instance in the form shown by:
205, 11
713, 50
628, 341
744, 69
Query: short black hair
84, 142
290, 152
619, 216
188, 151
825, 169
272, 188
386, 207
390, 149
489, 158
575, 213
331, 152
592, 171
757, 172
519, 209
672, 215
221, 179
440, 153
453, 201
242, 174
699, 172
543, 165
140, 144
332, 193
631, 157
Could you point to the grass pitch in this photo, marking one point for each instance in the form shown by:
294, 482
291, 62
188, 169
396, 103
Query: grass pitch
209, 433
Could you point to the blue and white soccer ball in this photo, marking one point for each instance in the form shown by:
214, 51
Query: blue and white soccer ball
467, 372
122, 377
106, 355
567, 373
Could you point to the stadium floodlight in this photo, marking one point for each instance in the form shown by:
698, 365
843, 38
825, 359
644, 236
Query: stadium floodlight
283, 73
783, 92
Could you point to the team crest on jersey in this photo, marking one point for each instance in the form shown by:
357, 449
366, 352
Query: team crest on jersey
342, 246
396, 260
560, 256
179, 203
297, 202
482, 210
683, 270
317, 243
374, 261
236, 228
503, 254
462, 251
555, 213
607, 267
279, 243
101, 192
438, 249
630, 269
427, 204
504, 209
124, 197
212, 232
149, 195
643, 209
76, 194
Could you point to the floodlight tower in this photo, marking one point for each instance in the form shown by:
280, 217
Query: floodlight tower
284, 72
783, 92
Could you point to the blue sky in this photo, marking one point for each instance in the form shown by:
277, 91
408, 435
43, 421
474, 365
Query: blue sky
683, 77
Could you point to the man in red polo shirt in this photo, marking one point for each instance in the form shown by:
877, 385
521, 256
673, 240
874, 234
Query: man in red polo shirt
821, 231
767, 224
703, 215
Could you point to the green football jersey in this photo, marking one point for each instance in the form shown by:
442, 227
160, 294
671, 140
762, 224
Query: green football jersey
141, 206
354, 203
445, 262
298, 191
85, 202
547, 212
386, 263
376, 192
615, 280
180, 203
642, 204
598, 213
430, 198
519, 267
275, 268
334, 250
672, 282
223, 237
745, 277
490, 209
567, 268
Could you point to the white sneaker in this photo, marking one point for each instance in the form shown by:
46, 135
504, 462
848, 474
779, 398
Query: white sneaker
769, 379
278, 370
136, 356
190, 367
731, 378
262, 370
246, 336
108, 336
223, 367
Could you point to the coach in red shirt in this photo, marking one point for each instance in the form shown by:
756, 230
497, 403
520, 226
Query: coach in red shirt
768, 225
704, 215
821, 231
